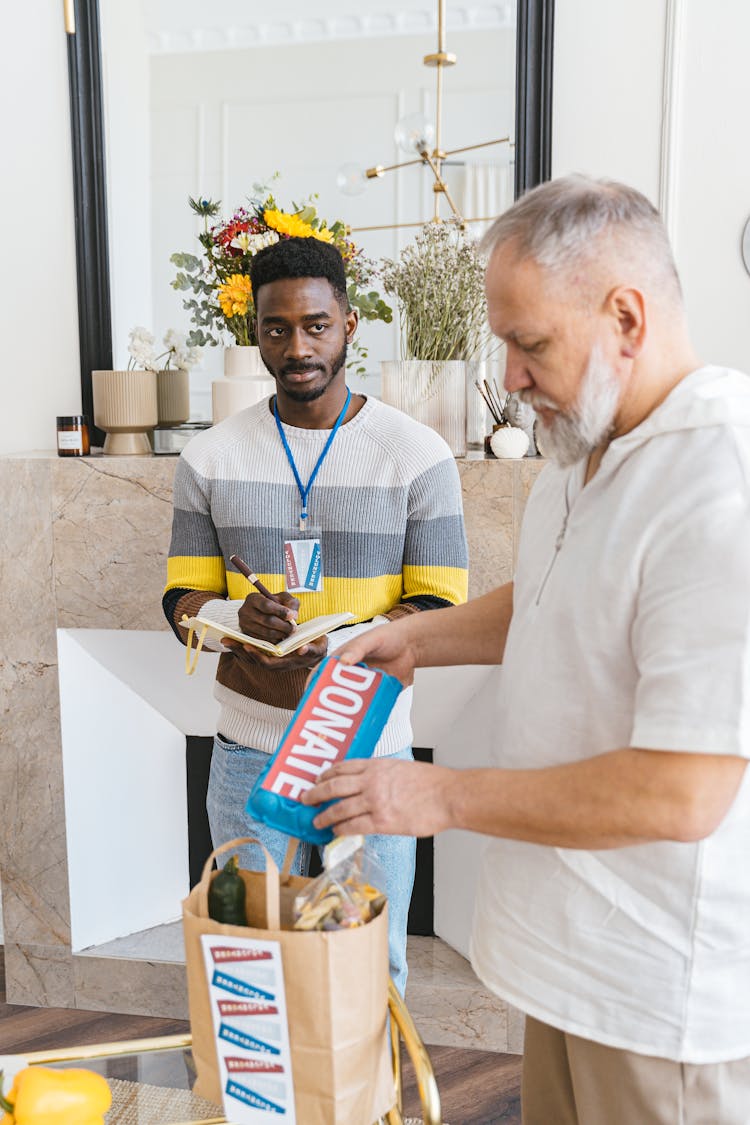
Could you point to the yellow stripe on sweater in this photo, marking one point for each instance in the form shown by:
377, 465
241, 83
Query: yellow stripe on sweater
194, 573
449, 582
364, 597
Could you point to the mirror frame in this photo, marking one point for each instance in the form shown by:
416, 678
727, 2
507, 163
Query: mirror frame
534, 56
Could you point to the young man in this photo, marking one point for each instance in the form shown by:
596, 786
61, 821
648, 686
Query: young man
379, 492
613, 903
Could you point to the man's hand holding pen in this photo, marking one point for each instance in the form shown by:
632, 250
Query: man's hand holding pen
272, 617
268, 616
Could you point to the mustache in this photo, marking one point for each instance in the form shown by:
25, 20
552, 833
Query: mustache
300, 368
537, 401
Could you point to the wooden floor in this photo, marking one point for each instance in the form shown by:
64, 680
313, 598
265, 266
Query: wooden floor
476, 1087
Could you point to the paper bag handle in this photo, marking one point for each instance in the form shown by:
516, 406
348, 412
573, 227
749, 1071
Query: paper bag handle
273, 914
291, 851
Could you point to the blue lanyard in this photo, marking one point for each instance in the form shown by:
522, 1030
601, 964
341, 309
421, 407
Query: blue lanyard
304, 490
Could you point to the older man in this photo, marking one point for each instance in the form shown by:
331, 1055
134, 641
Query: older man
614, 902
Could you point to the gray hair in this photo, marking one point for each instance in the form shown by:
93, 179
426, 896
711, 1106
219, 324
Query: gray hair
564, 224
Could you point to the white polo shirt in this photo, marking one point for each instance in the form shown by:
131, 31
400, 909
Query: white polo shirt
631, 627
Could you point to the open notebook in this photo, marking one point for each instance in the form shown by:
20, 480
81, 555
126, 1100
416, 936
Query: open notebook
201, 626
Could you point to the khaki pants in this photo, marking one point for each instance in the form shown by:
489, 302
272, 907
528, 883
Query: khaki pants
573, 1081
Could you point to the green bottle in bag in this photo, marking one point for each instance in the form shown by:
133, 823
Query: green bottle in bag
226, 896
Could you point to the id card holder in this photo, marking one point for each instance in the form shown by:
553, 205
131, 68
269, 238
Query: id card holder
303, 560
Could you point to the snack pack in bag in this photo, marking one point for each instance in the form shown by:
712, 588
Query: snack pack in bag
341, 715
346, 893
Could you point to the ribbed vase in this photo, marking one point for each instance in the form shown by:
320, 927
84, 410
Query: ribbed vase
126, 407
478, 417
432, 392
173, 395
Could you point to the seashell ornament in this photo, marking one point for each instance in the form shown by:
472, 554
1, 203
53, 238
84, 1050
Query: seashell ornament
509, 441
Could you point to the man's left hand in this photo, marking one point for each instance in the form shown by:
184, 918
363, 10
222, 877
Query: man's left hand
382, 796
308, 656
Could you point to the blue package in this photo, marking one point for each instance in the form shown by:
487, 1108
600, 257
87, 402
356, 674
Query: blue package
341, 715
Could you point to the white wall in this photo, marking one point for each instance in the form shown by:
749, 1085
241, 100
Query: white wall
610, 96
712, 200
39, 371
606, 109
607, 120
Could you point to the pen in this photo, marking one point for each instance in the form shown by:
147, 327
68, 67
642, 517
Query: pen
256, 582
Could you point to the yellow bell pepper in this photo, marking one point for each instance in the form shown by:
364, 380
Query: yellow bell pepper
43, 1096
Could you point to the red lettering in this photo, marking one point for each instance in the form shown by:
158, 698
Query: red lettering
323, 728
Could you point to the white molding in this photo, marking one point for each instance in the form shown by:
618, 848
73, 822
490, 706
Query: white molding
670, 123
345, 25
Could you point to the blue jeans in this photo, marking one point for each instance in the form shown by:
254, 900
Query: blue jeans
234, 770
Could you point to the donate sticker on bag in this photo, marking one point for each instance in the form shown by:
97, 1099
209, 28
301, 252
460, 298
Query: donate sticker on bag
248, 1006
340, 716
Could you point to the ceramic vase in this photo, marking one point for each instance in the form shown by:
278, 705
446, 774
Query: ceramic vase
432, 392
246, 381
173, 396
126, 408
478, 417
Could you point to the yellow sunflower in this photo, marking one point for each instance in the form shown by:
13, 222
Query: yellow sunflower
235, 295
294, 227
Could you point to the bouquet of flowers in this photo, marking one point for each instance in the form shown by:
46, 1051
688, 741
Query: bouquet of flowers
219, 281
438, 283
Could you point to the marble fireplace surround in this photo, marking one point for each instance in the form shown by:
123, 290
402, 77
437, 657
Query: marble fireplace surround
84, 548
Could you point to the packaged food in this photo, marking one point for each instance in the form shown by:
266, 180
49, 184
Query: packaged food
345, 894
341, 715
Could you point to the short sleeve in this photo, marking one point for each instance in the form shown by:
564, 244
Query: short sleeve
691, 634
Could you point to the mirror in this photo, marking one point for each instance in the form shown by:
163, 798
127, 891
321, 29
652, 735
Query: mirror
210, 99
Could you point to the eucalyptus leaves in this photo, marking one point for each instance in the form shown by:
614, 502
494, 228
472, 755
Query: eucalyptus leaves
438, 283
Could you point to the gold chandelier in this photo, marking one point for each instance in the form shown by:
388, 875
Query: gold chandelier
415, 133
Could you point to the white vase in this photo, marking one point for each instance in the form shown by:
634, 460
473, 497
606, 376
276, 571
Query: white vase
432, 392
173, 396
478, 417
126, 407
246, 381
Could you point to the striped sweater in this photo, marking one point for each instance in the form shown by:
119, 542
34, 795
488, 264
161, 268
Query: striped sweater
387, 499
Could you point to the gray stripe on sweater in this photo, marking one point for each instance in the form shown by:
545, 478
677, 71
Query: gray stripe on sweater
346, 554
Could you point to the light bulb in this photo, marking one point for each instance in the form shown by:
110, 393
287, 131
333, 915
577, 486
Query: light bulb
414, 133
351, 179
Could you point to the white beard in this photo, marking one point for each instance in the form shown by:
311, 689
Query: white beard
576, 434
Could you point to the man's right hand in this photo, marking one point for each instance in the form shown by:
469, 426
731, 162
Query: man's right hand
271, 619
387, 647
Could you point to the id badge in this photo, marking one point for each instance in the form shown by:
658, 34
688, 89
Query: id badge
303, 561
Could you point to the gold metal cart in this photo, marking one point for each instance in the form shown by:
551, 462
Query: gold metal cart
402, 1030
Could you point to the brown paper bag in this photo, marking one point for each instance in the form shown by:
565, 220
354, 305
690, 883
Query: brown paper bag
336, 986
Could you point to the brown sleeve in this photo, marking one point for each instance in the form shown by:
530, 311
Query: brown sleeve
190, 605
403, 609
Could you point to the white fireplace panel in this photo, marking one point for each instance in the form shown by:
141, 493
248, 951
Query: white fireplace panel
126, 706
